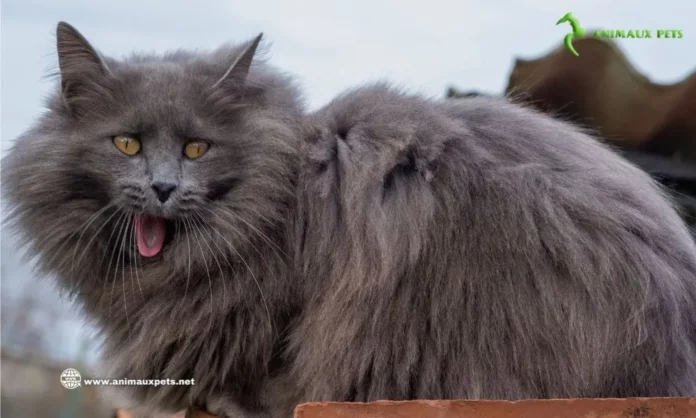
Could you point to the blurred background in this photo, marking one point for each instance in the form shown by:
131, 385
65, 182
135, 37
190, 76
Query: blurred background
635, 93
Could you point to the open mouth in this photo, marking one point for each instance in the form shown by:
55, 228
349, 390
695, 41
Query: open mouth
152, 234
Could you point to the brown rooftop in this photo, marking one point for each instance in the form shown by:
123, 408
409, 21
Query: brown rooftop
602, 89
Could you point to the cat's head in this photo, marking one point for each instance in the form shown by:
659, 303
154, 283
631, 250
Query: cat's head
161, 161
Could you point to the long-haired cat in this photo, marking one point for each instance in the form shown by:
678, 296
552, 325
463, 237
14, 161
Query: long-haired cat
384, 247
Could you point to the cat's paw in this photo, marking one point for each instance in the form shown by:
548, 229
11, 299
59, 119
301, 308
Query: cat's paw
228, 408
194, 413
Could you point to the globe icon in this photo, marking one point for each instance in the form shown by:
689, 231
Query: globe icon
70, 378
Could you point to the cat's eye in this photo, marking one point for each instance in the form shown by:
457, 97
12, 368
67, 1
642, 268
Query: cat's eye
196, 149
127, 145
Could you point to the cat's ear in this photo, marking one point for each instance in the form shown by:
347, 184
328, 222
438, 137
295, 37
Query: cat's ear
80, 64
239, 70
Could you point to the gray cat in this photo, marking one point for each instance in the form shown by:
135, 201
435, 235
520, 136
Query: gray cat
383, 247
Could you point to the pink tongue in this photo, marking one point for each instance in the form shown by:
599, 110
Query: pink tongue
150, 232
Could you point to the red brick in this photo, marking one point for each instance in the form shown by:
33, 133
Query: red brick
556, 408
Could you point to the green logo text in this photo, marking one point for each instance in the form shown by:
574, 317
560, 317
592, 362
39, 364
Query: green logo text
579, 32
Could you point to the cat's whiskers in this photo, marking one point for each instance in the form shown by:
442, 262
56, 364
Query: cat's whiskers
207, 271
257, 213
247, 239
83, 228
131, 234
252, 227
258, 285
96, 233
106, 247
121, 223
188, 253
198, 215
122, 258
134, 263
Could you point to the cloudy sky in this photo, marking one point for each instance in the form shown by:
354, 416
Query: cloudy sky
424, 46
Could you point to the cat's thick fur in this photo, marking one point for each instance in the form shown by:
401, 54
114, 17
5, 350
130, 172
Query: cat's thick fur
384, 247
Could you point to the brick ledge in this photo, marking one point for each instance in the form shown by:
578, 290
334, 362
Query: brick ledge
552, 408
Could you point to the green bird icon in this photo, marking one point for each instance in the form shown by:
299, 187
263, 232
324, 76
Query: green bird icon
578, 32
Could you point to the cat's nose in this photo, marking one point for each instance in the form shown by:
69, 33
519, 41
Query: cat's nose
163, 190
